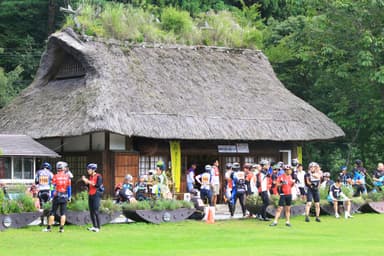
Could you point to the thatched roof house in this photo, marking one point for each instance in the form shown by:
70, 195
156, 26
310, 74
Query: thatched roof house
160, 92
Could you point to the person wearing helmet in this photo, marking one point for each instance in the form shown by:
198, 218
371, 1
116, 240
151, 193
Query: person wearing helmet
327, 181
312, 181
239, 188
141, 189
263, 185
67, 171
95, 192
284, 184
43, 180
61, 194
273, 180
125, 192
205, 180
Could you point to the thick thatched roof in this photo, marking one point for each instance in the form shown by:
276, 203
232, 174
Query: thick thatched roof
22, 145
169, 92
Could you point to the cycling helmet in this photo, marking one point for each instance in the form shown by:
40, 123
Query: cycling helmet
92, 166
161, 165
46, 166
264, 162
327, 174
235, 166
208, 168
228, 166
295, 162
128, 177
60, 165
287, 166
358, 162
343, 168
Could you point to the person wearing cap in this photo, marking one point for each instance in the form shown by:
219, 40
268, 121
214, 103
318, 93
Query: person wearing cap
338, 198
205, 181
263, 185
95, 192
312, 183
160, 180
359, 174
61, 195
284, 184
345, 177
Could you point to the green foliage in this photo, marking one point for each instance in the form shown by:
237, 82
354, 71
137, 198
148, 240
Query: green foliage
109, 206
8, 84
22, 202
79, 202
157, 205
171, 25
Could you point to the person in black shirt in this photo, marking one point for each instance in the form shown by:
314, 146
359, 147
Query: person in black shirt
338, 198
312, 181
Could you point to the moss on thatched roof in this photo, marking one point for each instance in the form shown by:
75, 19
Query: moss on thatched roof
158, 91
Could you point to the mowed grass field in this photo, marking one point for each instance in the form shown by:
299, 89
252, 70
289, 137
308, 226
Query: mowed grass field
362, 235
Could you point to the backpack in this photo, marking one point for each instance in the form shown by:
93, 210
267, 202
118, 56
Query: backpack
101, 188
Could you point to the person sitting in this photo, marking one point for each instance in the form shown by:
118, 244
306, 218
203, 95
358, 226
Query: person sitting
141, 189
327, 182
378, 177
124, 192
338, 198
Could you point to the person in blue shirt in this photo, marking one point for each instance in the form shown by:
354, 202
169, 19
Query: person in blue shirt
359, 173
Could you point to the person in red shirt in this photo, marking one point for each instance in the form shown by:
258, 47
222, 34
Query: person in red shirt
95, 192
61, 195
284, 184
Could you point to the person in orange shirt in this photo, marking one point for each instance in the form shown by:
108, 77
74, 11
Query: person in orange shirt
95, 192
61, 195
284, 184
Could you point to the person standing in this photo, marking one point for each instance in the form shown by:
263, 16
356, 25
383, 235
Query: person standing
263, 185
191, 178
95, 192
228, 186
61, 194
312, 181
300, 181
359, 173
43, 180
215, 173
205, 181
284, 184
239, 188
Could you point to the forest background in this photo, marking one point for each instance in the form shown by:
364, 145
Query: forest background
329, 53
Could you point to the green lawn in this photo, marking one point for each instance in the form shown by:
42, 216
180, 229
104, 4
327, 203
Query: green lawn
362, 235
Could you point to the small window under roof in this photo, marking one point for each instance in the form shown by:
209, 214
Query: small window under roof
70, 68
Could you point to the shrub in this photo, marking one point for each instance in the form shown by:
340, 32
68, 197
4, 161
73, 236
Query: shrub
176, 21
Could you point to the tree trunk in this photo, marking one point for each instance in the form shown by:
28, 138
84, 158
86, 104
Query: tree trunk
51, 16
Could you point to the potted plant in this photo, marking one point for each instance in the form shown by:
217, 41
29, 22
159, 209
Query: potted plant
17, 210
78, 211
158, 210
